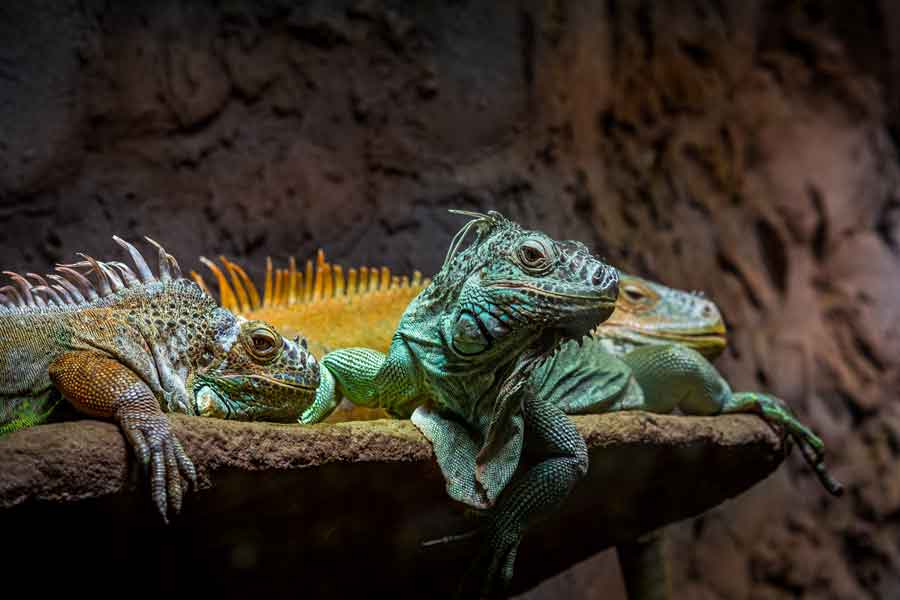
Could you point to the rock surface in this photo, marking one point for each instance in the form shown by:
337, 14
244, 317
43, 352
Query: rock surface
333, 510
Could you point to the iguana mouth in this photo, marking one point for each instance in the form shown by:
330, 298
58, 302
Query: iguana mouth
283, 383
715, 335
602, 299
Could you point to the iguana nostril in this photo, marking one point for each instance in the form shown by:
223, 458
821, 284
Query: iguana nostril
605, 277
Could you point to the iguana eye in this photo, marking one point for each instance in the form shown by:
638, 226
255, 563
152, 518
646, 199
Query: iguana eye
263, 344
633, 294
534, 255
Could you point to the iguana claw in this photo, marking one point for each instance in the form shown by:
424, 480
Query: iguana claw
816, 460
492, 570
811, 445
159, 450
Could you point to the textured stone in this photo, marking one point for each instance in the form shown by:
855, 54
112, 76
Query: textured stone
285, 507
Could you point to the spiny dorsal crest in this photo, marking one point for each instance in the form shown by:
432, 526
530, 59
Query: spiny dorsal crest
285, 287
492, 229
72, 288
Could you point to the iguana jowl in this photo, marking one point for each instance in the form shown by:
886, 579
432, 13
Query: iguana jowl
133, 345
464, 347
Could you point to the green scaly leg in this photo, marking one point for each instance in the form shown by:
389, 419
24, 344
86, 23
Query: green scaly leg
530, 496
773, 410
366, 377
674, 376
671, 377
455, 449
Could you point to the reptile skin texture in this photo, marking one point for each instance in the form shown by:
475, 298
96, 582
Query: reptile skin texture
677, 332
585, 376
463, 350
133, 345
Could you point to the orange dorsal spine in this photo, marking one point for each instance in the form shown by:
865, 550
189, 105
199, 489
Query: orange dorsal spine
285, 287
267, 291
292, 281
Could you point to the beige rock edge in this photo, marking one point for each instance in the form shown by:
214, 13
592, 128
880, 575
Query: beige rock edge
334, 510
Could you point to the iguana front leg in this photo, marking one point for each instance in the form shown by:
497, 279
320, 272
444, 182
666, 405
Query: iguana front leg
103, 387
533, 494
366, 378
674, 376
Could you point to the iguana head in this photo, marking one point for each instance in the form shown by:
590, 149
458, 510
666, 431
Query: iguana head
253, 373
513, 285
650, 313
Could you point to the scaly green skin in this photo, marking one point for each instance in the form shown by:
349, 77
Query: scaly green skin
132, 346
459, 361
652, 361
647, 356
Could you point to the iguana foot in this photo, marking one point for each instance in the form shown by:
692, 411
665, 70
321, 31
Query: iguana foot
774, 410
157, 448
492, 570
102, 386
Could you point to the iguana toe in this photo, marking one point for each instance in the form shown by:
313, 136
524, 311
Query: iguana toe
185, 466
166, 457
173, 479
492, 571
817, 462
138, 444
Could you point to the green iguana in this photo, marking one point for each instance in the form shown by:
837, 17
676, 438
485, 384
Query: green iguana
462, 353
584, 377
581, 376
650, 356
133, 345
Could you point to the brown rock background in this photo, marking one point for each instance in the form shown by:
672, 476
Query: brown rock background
747, 149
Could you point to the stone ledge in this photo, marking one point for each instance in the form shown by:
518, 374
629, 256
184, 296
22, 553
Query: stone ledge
339, 509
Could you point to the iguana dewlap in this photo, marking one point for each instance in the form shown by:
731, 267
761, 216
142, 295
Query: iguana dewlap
133, 345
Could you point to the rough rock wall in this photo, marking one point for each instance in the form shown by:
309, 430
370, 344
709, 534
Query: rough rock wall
740, 148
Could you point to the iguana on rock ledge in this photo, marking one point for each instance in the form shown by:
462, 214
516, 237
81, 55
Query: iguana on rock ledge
652, 356
133, 345
590, 376
466, 345
659, 339
686, 328
334, 312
